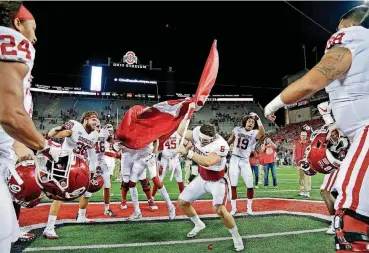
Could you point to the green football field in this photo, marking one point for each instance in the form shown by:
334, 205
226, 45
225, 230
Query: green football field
261, 233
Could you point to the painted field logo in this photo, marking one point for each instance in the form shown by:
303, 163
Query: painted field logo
130, 58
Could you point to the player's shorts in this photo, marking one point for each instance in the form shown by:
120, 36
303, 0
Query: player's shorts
329, 181
352, 183
139, 168
199, 187
110, 162
128, 158
9, 231
105, 173
170, 163
237, 166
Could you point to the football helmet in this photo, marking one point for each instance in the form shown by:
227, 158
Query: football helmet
96, 182
29, 193
325, 153
64, 180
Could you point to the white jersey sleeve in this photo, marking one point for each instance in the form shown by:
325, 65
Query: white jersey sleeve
351, 38
15, 47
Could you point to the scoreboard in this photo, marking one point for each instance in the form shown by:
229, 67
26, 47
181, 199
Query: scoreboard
126, 76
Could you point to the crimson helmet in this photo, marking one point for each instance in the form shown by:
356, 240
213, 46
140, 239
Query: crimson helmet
64, 180
96, 183
29, 193
325, 154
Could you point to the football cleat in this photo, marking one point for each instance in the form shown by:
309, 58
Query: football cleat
50, 234
110, 213
152, 205
135, 216
201, 226
238, 243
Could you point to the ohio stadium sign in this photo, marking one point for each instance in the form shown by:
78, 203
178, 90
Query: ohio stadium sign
130, 60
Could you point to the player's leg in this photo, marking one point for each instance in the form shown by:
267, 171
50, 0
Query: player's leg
162, 171
246, 174
145, 183
219, 190
307, 186
151, 164
24, 236
234, 172
178, 174
352, 201
49, 231
136, 171
126, 169
192, 192
83, 203
107, 192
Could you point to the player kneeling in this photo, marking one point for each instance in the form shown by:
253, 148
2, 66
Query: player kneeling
210, 151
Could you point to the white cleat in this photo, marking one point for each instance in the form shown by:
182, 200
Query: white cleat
152, 205
233, 212
330, 231
196, 230
135, 216
238, 243
249, 211
171, 212
84, 219
123, 207
50, 234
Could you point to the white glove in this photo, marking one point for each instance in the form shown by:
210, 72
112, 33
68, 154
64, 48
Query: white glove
325, 110
256, 118
51, 151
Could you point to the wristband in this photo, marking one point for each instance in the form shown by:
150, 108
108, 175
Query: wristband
276, 104
190, 154
259, 122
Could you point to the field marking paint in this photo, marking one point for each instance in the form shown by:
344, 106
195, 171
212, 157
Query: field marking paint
145, 244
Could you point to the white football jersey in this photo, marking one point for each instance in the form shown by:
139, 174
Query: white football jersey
170, 145
349, 96
218, 146
102, 145
244, 142
15, 48
80, 142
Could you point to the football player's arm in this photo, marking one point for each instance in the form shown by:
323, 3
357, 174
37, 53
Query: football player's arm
59, 132
231, 139
206, 161
332, 66
261, 133
22, 151
14, 119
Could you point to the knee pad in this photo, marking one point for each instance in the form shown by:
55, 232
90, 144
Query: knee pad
87, 194
351, 231
157, 182
145, 185
132, 184
124, 186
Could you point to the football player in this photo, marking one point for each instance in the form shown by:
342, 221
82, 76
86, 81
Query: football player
170, 161
80, 138
17, 54
244, 138
343, 72
209, 152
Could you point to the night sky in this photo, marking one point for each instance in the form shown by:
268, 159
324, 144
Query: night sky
258, 42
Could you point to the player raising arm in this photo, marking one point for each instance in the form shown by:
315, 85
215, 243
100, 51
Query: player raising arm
209, 152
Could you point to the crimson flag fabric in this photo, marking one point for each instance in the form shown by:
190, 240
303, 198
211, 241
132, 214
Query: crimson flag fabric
208, 76
142, 125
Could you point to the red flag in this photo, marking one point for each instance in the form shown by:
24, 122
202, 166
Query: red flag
208, 76
142, 125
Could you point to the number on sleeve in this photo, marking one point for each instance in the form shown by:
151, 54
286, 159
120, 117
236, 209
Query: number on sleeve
7, 48
334, 40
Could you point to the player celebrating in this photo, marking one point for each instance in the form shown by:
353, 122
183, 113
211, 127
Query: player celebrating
101, 146
80, 138
170, 160
17, 36
210, 151
343, 72
244, 139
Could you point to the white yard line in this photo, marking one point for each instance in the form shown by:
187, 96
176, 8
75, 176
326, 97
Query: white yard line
145, 244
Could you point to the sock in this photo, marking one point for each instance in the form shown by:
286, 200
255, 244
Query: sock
106, 207
154, 190
250, 193
146, 188
234, 230
82, 212
164, 194
51, 221
180, 186
195, 219
233, 204
134, 197
249, 203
